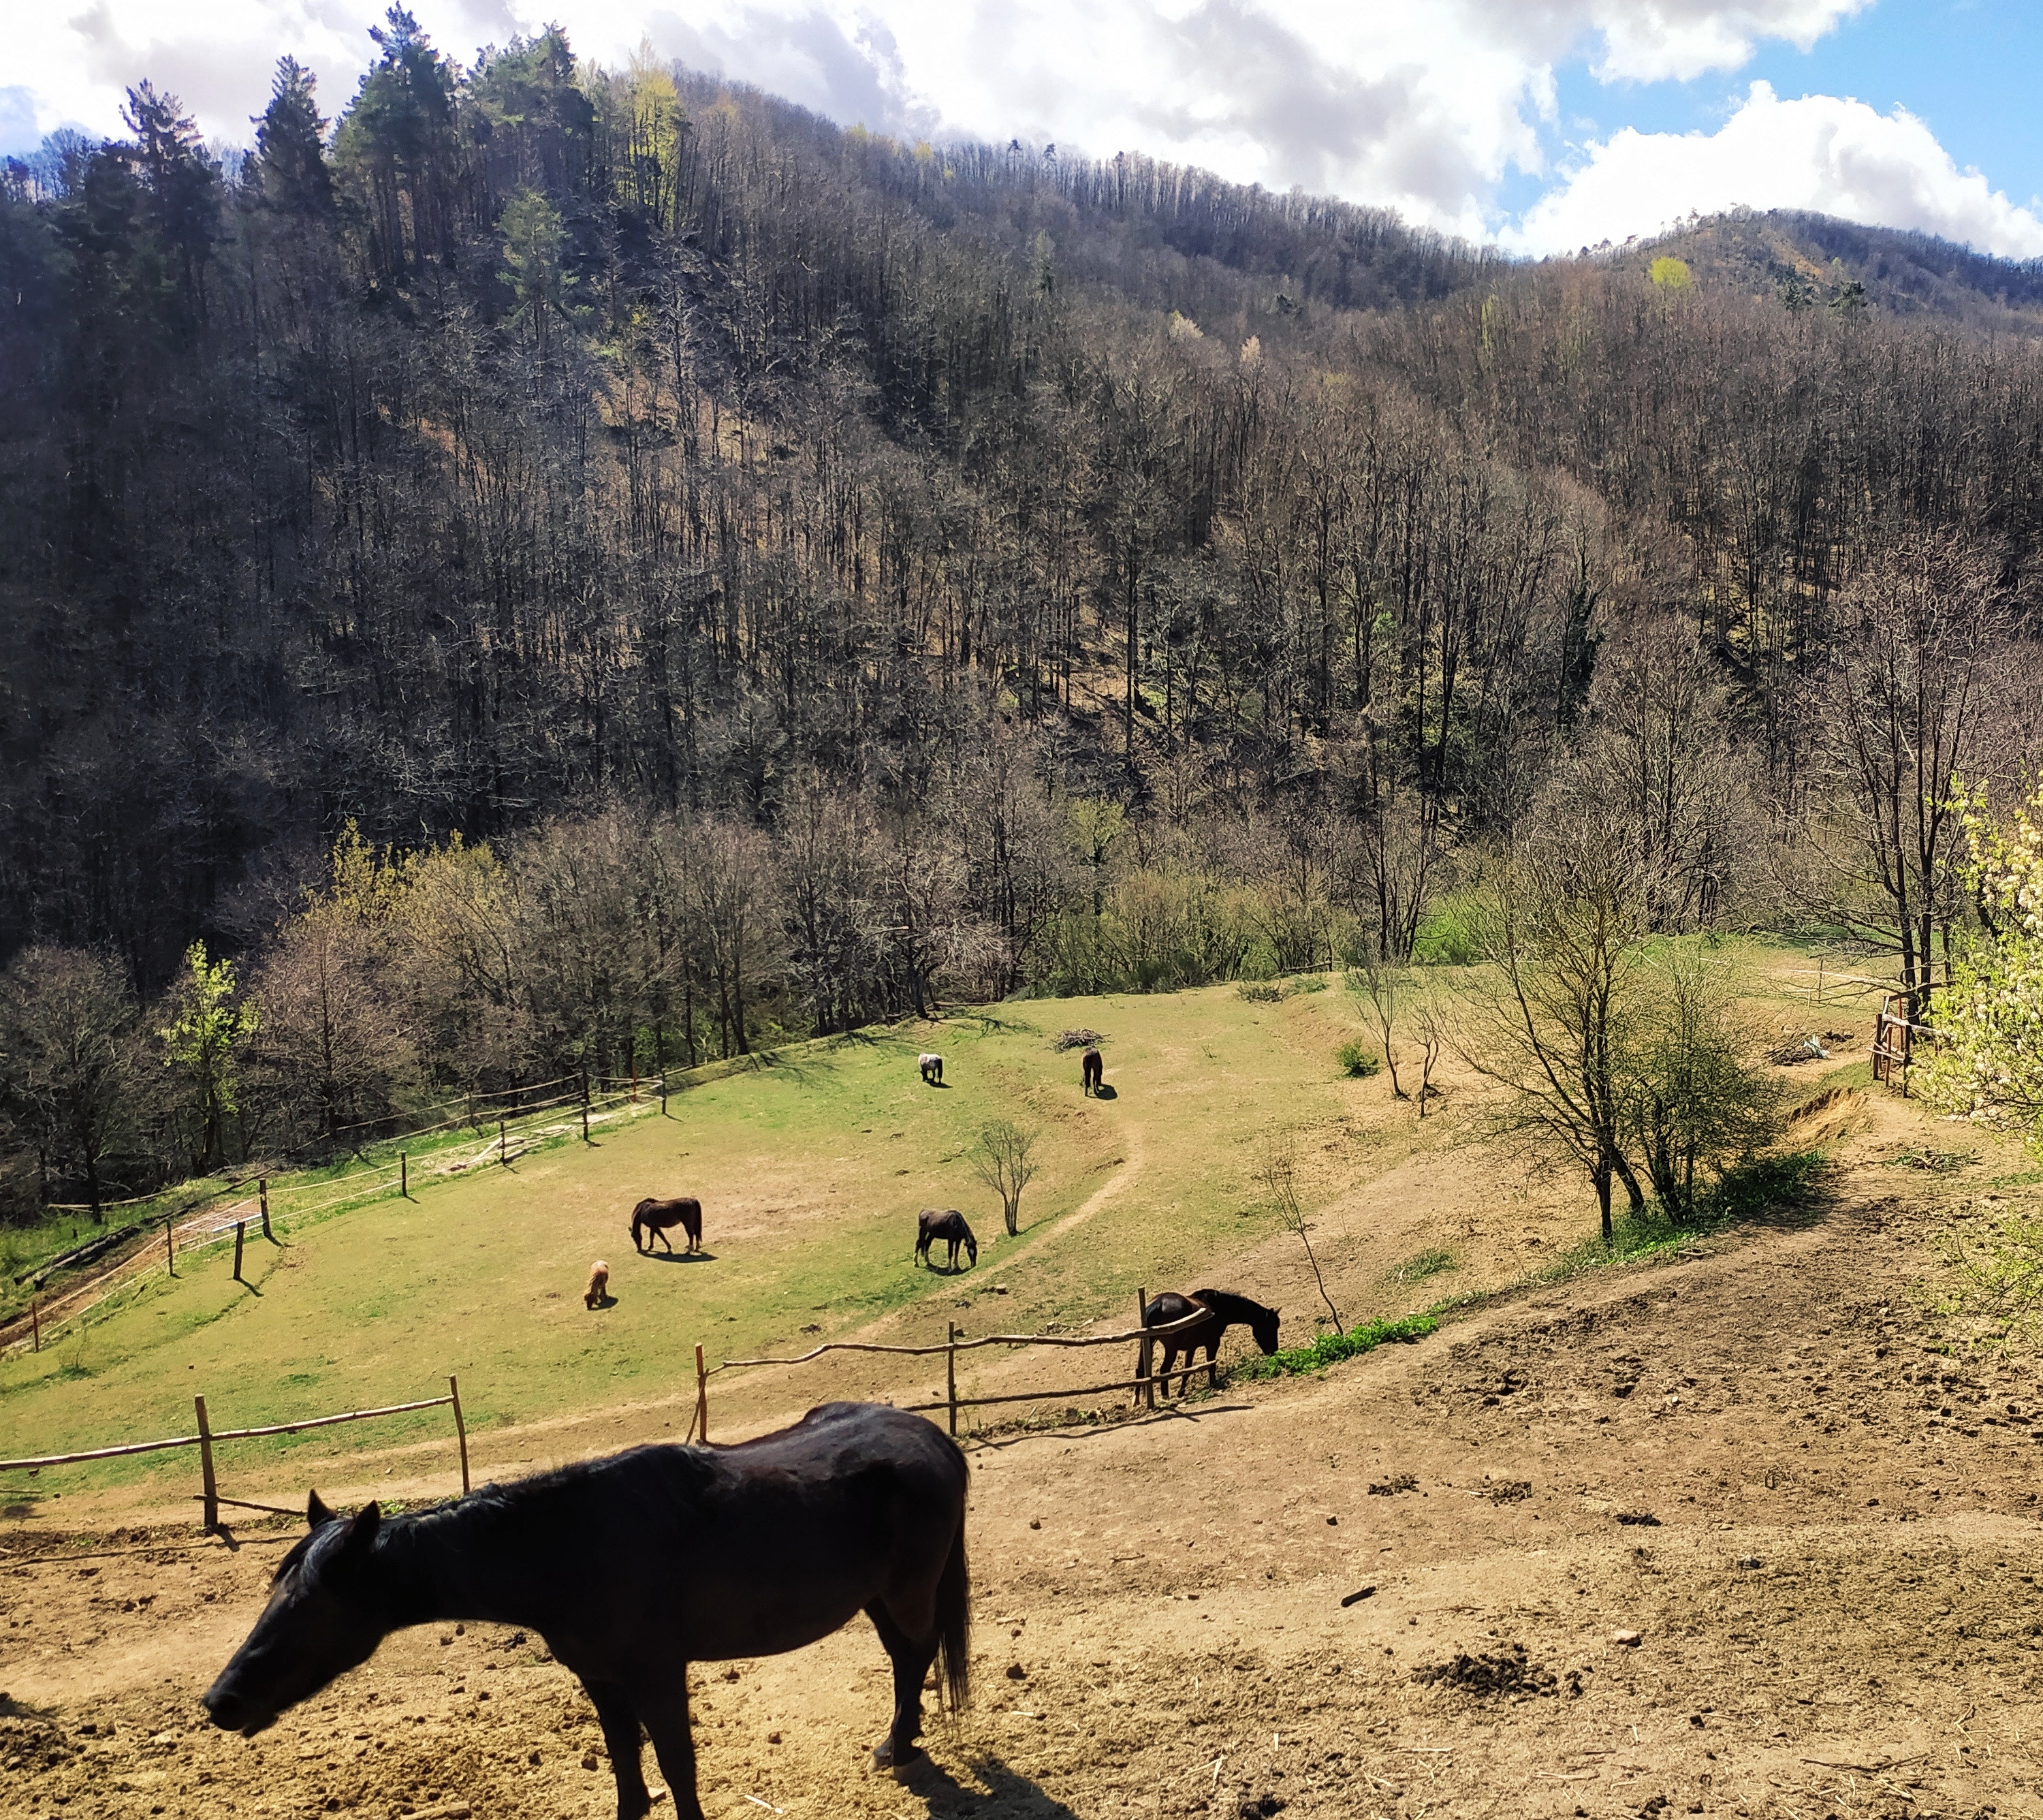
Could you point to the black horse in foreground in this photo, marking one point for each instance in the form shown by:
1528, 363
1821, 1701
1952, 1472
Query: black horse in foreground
653, 1217
1092, 1072
750, 1550
1224, 1309
931, 1226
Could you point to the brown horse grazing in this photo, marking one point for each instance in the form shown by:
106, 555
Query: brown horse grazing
1092, 1071
598, 1290
930, 1226
1226, 1309
736, 1552
653, 1217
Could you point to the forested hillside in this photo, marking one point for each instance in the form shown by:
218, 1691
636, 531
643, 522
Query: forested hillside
561, 567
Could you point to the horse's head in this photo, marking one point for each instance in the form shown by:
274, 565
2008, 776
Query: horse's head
970, 1246
1262, 1324
325, 1616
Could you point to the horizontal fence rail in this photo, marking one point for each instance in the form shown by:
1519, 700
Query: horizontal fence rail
208, 1436
210, 1221
1144, 1383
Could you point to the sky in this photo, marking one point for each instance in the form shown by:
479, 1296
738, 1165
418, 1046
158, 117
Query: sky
1542, 125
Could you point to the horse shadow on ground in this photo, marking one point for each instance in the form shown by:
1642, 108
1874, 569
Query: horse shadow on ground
1005, 1792
680, 1256
931, 1265
1104, 1091
606, 1300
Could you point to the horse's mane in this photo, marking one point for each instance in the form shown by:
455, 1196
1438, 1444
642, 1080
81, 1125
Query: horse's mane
522, 1500
1228, 1305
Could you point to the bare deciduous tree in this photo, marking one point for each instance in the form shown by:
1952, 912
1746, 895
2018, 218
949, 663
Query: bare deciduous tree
1276, 1172
67, 1057
1004, 1159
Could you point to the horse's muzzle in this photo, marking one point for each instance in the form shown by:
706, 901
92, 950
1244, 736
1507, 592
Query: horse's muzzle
231, 1712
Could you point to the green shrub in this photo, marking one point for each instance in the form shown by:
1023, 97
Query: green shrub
1444, 938
1358, 1061
1331, 1349
1304, 983
1260, 992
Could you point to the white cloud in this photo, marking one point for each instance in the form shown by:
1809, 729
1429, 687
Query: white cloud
1424, 106
1836, 156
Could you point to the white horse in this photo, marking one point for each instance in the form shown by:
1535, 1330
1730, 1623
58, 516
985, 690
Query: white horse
933, 1069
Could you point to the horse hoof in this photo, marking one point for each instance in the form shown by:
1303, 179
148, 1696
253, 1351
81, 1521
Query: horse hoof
884, 1758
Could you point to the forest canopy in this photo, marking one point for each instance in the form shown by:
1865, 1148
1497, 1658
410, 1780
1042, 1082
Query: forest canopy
558, 568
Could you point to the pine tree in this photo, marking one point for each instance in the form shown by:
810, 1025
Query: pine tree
290, 141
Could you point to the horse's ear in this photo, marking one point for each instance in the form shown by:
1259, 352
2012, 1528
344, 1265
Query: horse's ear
362, 1529
317, 1513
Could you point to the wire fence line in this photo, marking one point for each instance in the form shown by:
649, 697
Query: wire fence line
188, 1230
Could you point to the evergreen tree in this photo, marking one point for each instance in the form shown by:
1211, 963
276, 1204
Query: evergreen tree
290, 139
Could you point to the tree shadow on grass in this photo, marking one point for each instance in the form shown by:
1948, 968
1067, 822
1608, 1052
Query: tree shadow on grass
1784, 1192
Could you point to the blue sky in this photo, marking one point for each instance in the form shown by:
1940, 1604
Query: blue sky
1542, 124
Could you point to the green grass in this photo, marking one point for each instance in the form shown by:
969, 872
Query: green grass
811, 1167
1331, 1349
1780, 1187
1435, 1262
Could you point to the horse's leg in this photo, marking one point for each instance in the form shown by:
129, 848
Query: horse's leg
660, 1233
620, 1738
664, 1708
1212, 1361
911, 1663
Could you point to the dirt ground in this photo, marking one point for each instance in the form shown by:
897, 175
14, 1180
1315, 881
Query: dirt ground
1722, 1536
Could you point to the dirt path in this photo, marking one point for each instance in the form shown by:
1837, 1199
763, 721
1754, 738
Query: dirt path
1823, 1533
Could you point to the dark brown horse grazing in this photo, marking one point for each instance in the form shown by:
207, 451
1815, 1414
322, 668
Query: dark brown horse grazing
743, 1551
655, 1216
1092, 1071
930, 1226
1226, 1310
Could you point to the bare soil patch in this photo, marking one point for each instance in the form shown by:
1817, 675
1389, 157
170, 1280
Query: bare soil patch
1835, 1613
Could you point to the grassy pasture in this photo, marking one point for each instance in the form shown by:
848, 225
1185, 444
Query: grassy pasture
810, 1170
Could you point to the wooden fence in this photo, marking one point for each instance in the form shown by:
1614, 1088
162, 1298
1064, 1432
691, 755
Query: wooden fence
1893, 1039
191, 1229
207, 1437
1144, 1383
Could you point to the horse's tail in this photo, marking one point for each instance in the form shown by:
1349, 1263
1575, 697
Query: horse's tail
954, 1624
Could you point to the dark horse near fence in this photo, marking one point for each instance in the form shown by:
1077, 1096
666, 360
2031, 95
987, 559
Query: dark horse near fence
653, 1217
1092, 1071
1225, 1310
735, 1551
931, 1226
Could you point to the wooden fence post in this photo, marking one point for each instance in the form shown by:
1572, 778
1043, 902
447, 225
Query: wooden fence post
634, 1080
240, 1233
950, 1376
404, 1175
212, 1488
584, 1105
504, 1142
663, 1096
460, 1431
35, 1321
702, 1398
170, 1244
1145, 1392
262, 1195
